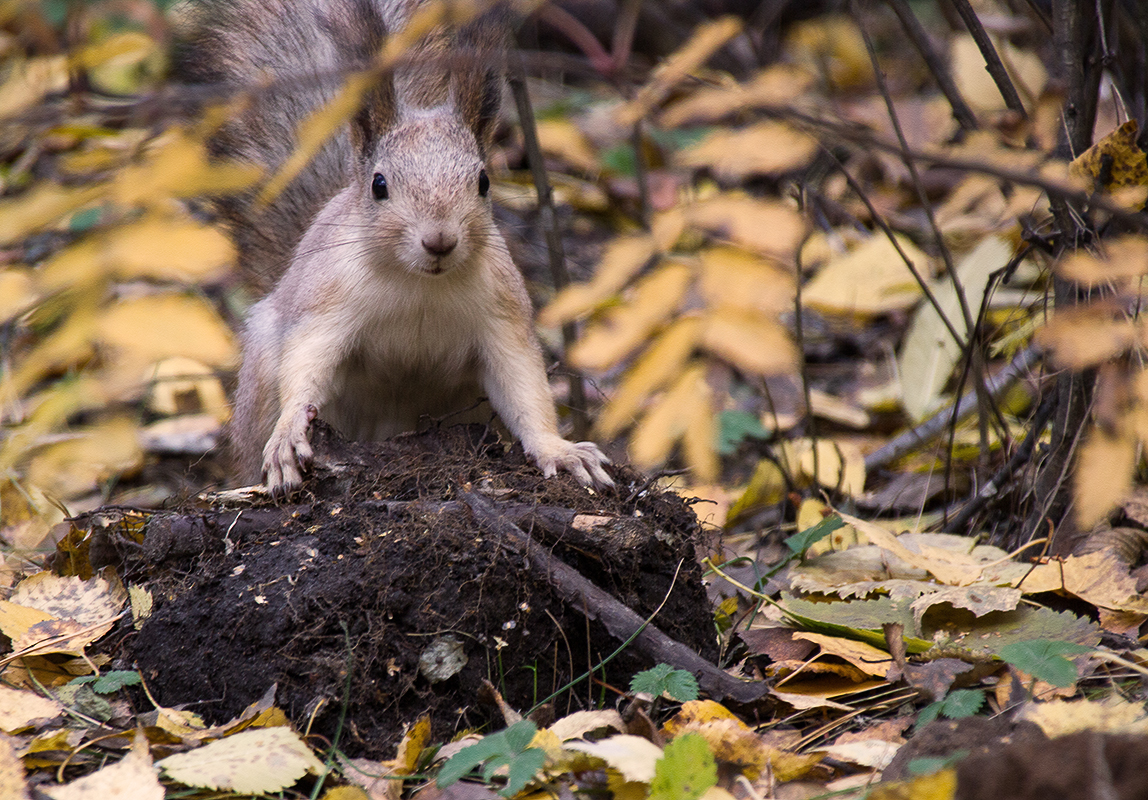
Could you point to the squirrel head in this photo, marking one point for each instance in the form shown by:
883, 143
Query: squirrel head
424, 192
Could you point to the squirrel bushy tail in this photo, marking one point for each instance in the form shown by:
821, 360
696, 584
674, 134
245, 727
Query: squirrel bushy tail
293, 56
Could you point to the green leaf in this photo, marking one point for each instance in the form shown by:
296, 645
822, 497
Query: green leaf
115, 680
736, 427
927, 715
507, 748
685, 770
1044, 659
962, 703
800, 542
662, 678
927, 766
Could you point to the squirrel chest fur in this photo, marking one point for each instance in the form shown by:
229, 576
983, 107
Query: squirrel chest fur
396, 299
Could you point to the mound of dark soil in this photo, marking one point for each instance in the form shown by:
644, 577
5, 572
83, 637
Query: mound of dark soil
379, 572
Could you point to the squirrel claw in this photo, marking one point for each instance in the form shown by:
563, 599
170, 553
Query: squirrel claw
288, 455
583, 460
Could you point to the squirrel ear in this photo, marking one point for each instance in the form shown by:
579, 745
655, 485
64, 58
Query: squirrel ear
476, 96
375, 117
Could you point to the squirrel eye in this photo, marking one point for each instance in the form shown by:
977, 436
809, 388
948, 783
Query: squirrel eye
379, 187
483, 183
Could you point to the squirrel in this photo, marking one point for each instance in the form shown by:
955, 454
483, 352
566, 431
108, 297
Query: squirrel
393, 297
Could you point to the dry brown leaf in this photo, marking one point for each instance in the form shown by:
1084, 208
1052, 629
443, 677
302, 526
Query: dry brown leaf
17, 292
840, 464
865, 657
623, 259
1125, 257
12, 783
90, 456
133, 777
622, 329
92, 601
20, 709
832, 46
763, 226
1103, 475
1085, 336
763, 148
1116, 159
977, 86
1100, 578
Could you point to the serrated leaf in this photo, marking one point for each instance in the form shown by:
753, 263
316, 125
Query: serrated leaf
662, 678
685, 771
502, 747
682, 686
961, 703
259, 761
1044, 659
115, 680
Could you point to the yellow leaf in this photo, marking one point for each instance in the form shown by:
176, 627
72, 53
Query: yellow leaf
1116, 159
976, 84
78, 465
666, 422
732, 277
764, 148
704, 42
178, 165
699, 444
764, 226
865, 657
872, 279
773, 86
624, 328
766, 486
693, 712
19, 709
16, 619
29, 81
754, 344
578, 724
87, 602
1085, 336
17, 292
258, 761
40, 206
632, 756
661, 361
132, 776
623, 259
156, 246
940, 785
1111, 714
185, 386
1125, 257
1103, 475
563, 139
148, 329
840, 464
832, 45
412, 745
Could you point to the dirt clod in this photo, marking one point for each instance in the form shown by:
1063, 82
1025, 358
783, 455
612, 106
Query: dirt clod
377, 566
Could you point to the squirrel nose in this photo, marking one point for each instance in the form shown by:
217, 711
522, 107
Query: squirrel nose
440, 243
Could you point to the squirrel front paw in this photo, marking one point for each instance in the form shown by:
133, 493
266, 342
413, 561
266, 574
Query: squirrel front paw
288, 453
583, 460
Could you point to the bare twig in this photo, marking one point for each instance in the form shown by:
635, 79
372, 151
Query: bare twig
992, 58
558, 273
618, 619
961, 111
936, 425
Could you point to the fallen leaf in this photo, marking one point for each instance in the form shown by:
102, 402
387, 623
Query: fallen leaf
632, 756
132, 777
20, 709
871, 279
254, 761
